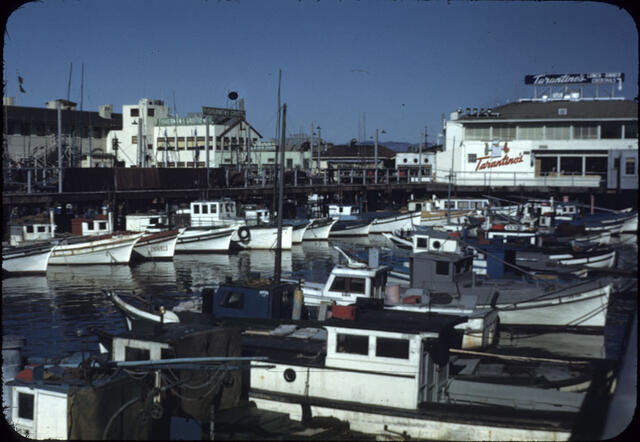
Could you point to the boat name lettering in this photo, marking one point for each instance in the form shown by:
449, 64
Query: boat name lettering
504, 161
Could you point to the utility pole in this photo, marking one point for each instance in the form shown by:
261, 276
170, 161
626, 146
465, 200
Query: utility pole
450, 179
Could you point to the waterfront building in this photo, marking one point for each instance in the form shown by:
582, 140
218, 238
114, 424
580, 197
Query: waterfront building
31, 134
356, 156
556, 139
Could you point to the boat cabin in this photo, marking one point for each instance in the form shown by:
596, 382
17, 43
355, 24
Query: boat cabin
99, 225
258, 298
436, 241
147, 222
344, 212
31, 230
439, 270
256, 214
436, 203
207, 213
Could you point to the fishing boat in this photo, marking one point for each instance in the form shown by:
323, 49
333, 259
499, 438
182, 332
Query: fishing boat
344, 212
436, 211
331, 371
319, 229
27, 260
403, 221
299, 228
205, 240
159, 242
111, 248
249, 234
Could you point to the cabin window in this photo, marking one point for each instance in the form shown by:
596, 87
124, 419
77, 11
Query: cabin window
40, 229
29, 229
153, 220
463, 204
102, 225
196, 208
25, 406
354, 344
392, 348
233, 300
90, 225
357, 285
421, 242
205, 209
213, 208
463, 266
442, 268
136, 354
339, 285
167, 353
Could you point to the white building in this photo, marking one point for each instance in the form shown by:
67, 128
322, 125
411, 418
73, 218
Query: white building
223, 134
558, 140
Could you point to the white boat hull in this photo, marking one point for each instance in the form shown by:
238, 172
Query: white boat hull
604, 261
265, 238
314, 233
160, 246
205, 240
405, 221
297, 235
586, 309
390, 426
26, 262
114, 250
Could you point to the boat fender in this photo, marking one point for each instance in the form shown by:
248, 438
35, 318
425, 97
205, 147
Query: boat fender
244, 234
494, 299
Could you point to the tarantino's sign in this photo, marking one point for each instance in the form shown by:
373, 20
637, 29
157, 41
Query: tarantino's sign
592, 78
493, 160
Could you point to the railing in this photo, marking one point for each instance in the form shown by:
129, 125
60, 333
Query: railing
32, 179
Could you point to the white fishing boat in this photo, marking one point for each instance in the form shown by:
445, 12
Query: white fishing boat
104, 249
344, 212
205, 240
298, 230
26, 260
389, 373
436, 211
404, 221
249, 234
319, 229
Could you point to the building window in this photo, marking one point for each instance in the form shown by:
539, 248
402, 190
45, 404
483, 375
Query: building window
134, 139
631, 130
353, 344
530, 133
504, 133
630, 166
571, 165
557, 132
135, 112
289, 163
151, 112
25, 406
610, 130
392, 348
472, 157
584, 132
477, 133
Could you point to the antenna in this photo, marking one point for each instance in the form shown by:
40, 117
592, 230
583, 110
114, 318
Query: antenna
82, 87
69, 84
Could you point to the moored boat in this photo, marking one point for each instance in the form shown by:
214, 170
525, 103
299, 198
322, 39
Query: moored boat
26, 260
319, 229
104, 249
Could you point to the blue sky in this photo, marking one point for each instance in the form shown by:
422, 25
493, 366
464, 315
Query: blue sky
401, 63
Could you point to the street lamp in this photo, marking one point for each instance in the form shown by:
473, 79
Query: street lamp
375, 155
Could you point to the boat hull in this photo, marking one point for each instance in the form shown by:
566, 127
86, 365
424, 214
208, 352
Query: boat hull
297, 235
116, 249
358, 229
264, 238
318, 231
157, 246
204, 240
27, 261
405, 221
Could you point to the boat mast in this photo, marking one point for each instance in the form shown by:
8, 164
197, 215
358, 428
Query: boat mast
278, 269
275, 169
449, 187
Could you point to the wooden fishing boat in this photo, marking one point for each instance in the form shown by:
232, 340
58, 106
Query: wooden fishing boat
27, 260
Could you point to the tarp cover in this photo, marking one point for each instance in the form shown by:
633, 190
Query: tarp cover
89, 410
218, 388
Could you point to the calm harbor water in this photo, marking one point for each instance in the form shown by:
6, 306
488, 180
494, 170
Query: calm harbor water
50, 310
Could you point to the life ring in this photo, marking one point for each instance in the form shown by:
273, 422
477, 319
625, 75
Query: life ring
244, 234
